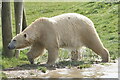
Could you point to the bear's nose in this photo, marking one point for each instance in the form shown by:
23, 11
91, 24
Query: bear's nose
11, 47
8, 46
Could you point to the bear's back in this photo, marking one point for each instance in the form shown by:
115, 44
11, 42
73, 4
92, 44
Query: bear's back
68, 27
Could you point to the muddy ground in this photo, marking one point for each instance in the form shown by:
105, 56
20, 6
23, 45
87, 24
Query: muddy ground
108, 70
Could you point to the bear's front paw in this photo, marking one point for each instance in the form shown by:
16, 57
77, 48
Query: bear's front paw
31, 61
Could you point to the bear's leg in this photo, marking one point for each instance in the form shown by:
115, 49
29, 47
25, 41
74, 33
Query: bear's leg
103, 53
34, 52
52, 56
92, 41
100, 50
30, 58
75, 55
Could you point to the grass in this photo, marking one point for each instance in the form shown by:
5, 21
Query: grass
3, 76
43, 69
104, 16
84, 66
12, 62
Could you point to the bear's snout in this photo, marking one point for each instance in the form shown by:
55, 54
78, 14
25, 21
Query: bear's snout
11, 46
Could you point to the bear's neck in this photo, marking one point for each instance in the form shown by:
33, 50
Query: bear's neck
33, 32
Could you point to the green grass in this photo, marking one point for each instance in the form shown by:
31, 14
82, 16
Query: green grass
104, 16
84, 66
3, 76
43, 69
12, 62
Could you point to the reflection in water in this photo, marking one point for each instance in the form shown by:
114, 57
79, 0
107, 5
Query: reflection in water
109, 70
97, 71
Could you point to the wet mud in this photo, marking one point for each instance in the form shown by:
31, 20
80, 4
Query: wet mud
107, 70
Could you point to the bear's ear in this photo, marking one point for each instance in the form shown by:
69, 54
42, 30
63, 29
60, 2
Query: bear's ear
25, 35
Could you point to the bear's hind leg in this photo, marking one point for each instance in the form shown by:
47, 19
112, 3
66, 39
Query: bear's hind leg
101, 51
75, 55
93, 42
35, 52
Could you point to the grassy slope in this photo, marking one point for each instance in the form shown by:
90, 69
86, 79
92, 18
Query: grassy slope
104, 16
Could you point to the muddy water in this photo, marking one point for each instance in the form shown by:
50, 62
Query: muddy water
97, 71
110, 70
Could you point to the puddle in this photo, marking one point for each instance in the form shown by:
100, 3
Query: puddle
97, 71
109, 70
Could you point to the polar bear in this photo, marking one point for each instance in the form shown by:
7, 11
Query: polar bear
69, 30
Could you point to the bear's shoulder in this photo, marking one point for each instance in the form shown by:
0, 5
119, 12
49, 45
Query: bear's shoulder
41, 19
45, 20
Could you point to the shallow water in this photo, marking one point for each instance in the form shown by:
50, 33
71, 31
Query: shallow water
109, 70
97, 71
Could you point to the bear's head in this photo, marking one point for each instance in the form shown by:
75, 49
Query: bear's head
19, 41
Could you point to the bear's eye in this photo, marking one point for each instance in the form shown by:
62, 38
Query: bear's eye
25, 35
14, 40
